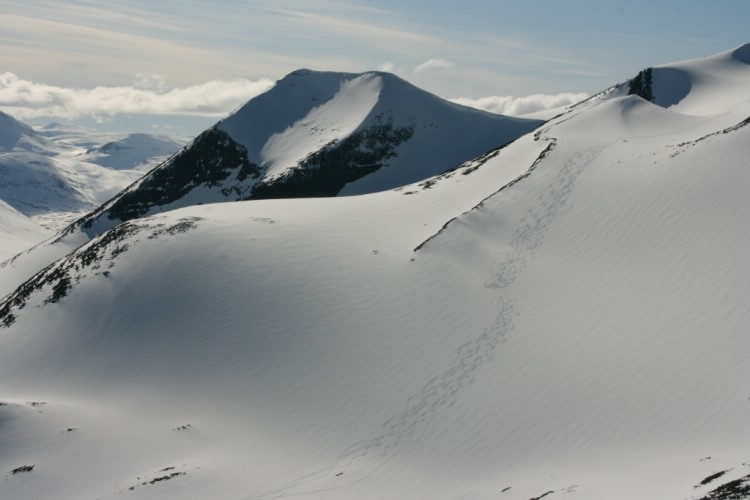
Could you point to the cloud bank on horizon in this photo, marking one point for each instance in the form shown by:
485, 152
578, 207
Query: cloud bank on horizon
80, 59
518, 106
150, 94
26, 99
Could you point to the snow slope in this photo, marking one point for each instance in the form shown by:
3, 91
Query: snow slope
37, 185
46, 175
317, 134
16, 136
18, 232
561, 318
705, 87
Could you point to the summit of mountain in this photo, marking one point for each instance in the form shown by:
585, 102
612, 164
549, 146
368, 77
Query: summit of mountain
317, 134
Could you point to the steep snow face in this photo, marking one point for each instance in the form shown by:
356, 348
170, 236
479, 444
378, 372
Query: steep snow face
330, 122
565, 316
317, 134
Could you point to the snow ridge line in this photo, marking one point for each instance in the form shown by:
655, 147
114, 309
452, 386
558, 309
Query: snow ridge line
533, 166
727, 130
440, 392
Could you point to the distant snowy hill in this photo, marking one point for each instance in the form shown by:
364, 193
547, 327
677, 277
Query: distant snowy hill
18, 232
56, 173
135, 151
565, 317
13, 132
16, 136
318, 134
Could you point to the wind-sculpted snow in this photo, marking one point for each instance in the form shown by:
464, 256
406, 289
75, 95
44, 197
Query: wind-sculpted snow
441, 391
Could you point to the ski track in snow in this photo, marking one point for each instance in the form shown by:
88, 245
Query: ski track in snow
362, 459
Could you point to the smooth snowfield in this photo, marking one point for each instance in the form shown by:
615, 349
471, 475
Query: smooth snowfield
566, 315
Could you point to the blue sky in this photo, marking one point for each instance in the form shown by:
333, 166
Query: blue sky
187, 63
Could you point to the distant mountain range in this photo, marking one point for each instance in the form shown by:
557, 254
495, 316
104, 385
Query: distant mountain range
47, 175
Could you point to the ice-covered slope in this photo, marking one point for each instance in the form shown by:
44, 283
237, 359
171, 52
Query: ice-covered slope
317, 134
562, 318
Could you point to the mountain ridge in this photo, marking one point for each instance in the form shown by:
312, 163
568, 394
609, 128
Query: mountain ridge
318, 134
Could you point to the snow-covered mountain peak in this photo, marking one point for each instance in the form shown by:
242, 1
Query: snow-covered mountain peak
328, 122
288, 101
317, 134
704, 86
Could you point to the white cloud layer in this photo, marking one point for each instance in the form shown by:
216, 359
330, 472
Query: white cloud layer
515, 106
149, 94
433, 64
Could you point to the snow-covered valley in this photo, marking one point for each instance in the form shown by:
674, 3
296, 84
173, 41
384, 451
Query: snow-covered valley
55, 173
562, 317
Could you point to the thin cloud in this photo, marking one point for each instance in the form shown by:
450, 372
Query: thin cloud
149, 94
388, 67
516, 106
433, 64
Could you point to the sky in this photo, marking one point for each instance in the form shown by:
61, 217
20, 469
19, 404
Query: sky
179, 66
